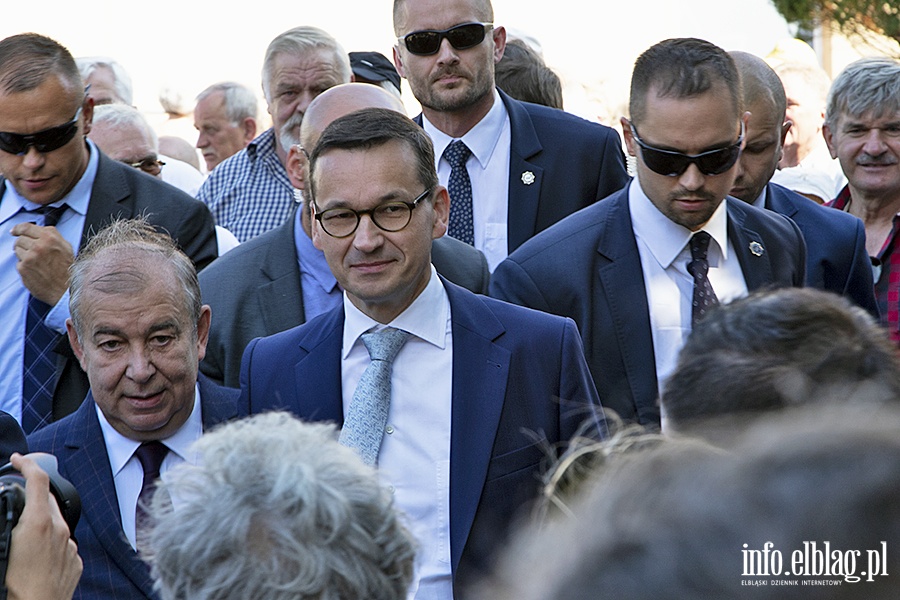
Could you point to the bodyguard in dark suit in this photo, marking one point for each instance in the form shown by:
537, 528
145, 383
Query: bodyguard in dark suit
530, 165
139, 331
836, 257
478, 389
626, 269
57, 191
258, 289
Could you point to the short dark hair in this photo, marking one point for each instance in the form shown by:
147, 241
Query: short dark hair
370, 128
775, 349
682, 68
522, 74
27, 59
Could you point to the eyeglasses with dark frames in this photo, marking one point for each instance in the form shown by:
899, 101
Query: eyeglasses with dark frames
391, 216
46, 140
672, 163
461, 37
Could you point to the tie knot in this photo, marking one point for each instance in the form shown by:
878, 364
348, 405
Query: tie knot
385, 344
52, 214
151, 455
457, 153
699, 245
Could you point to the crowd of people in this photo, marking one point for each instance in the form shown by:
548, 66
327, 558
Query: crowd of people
469, 354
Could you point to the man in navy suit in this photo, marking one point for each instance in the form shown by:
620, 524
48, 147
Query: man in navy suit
527, 166
836, 257
635, 270
480, 390
139, 331
47, 163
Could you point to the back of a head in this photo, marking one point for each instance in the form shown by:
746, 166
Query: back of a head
776, 349
522, 74
26, 60
342, 100
682, 68
681, 521
866, 86
239, 100
759, 82
312, 522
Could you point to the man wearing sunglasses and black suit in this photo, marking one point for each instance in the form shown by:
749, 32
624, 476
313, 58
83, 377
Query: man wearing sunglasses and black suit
636, 270
520, 167
58, 190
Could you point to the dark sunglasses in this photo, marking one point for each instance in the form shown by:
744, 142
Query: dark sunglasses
672, 163
47, 140
461, 37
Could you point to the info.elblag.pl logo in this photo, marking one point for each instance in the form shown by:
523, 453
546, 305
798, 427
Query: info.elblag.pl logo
813, 564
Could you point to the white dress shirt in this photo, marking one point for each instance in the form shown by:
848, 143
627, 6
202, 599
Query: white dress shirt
664, 247
14, 295
415, 452
488, 169
128, 474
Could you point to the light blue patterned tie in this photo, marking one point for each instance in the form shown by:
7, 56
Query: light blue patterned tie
367, 417
460, 188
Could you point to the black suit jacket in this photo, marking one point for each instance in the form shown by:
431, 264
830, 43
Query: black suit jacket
12, 438
572, 163
836, 256
112, 569
587, 267
123, 192
255, 291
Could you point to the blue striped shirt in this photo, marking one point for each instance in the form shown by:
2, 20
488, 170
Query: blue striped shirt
249, 193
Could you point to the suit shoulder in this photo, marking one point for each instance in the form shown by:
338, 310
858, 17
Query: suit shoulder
559, 122
249, 253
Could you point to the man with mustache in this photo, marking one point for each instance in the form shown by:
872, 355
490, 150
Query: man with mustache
862, 130
512, 168
250, 193
638, 269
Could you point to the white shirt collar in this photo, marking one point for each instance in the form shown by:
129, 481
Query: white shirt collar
120, 449
481, 139
664, 238
425, 318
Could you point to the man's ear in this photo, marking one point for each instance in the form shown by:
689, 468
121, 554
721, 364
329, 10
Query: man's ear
203, 331
829, 140
441, 205
626, 134
77, 348
296, 167
249, 127
398, 61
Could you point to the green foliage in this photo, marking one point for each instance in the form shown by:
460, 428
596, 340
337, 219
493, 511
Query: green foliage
851, 16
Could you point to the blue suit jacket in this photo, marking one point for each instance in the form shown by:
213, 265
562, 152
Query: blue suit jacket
574, 162
514, 371
112, 569
587, 267
836, 256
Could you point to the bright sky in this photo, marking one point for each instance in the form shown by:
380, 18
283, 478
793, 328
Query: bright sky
190, 44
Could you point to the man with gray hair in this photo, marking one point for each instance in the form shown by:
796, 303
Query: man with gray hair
862, 130
108, 80
313, 521
139, 330
250, 193
225, 119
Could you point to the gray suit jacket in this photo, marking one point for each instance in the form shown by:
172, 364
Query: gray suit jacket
255, 291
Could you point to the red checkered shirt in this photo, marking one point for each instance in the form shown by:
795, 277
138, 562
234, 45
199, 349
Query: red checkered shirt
887, 273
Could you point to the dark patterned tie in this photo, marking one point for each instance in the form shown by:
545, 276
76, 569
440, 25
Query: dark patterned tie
364, 427
39, 362
704, 295
460, 188
151, 456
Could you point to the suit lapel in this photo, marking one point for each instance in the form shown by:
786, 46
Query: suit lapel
280, 303
748, 245
777, 202
87, 465
525, 177
320, 364
624, 295
110, 198
480, 371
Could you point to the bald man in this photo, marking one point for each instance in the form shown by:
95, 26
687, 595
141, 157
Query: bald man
279, 280
836, 258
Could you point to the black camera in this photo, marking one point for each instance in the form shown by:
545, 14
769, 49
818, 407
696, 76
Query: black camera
12, 495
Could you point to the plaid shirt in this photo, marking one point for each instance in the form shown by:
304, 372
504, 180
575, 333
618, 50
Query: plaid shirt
250, 193
887, 270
